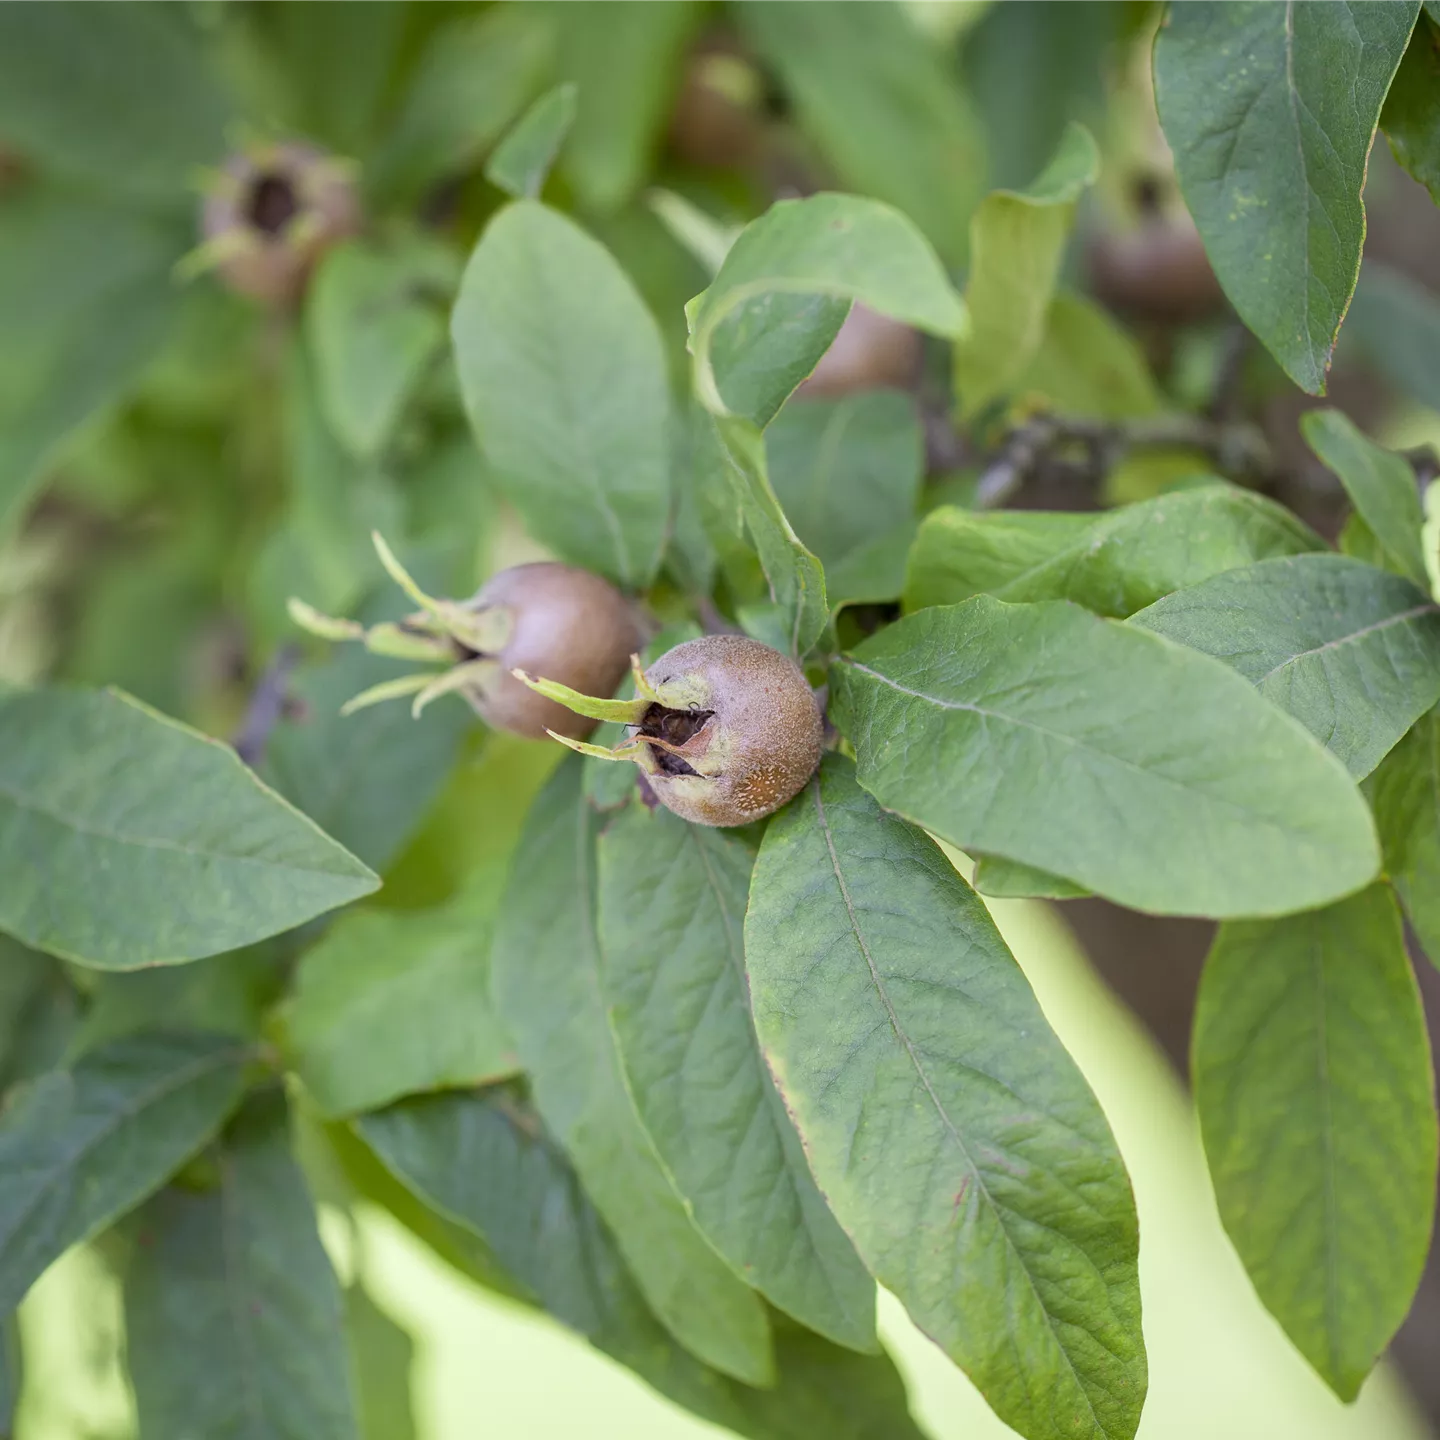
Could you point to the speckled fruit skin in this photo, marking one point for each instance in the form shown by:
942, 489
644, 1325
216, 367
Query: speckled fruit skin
759, 747
570, 626
871, 352
273, 268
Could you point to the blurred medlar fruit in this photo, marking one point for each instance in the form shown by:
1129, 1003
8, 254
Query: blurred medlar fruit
718, 120
871, 352
543, 616
273, 212
1156, 270
725, 728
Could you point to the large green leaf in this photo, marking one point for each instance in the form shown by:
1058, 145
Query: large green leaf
474, 78
882, 104
846, 247
132, 840
1103, 754
1270, 110
233, 1316
1381, 486
547, 984
367, 778
81, 1146
564, 379
623, 55
730, 457
1313, 1081
1405, 793
373, 329
1113, 564
1016, 242
846, 470
86, 299
121, 98
672, 914
485, 1162
1352, 652
391, 1002
955, 1139
1411, 117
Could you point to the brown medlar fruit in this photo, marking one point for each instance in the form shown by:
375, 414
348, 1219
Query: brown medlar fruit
870, 352
272, 213
1157, 269
725, 728
543, 616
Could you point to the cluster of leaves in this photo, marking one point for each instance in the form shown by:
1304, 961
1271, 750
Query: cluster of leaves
694, 1092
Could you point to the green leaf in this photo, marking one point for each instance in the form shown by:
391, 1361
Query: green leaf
1031, 69
1016, 242
12, 1375
883, 105
485, 1161
86, 300
25, 976
81, 1146
233, 1316
382, 1354
874, 572
123, 99
474, 78
846, 247
522, 160
1353, 653
1087, 365
1114, 564
730, 455
908, 1045
672, 910
1411, 117
1381, 486
623, 56
1405, 793
547, 985
137, 841
1313, 1081
373, 329
1270, 111
367, 778
1009, 880
564, 380
1172, 786
391, 1002
1394, 325
846, 470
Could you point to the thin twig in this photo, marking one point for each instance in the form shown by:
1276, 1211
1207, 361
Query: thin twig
267, 705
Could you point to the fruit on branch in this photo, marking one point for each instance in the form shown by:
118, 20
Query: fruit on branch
871, 352
271, 213
718, 121
725, 728
544, 616
1156, 269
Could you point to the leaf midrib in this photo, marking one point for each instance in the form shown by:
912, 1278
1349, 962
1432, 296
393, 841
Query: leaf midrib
1374, 627
901, 1035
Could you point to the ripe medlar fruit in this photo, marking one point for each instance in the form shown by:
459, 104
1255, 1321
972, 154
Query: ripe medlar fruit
273, 212
542, 616
870, 352
725, 728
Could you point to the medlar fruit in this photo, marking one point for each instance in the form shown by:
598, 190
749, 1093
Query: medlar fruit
542, 616
725, 728
1157, 269
870, 352
273, 212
